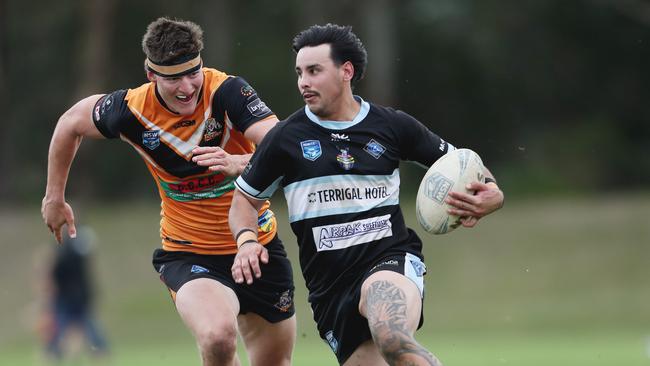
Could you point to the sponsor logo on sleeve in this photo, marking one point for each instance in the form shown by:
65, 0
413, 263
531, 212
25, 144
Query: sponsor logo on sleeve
107, 104
442, 145
151, 139
311, 149
258, 108
247, 90
347, 234
374, 148
104, 105
97, 115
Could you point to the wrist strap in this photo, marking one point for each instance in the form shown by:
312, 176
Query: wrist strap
244, 236
242, 231
246, 242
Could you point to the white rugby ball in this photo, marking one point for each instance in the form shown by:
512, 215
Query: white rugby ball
452, 172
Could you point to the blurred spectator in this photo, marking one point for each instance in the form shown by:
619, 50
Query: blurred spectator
71, 297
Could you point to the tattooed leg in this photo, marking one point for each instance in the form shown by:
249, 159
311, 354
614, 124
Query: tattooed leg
386, 311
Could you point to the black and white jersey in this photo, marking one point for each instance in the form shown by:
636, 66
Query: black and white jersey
341, 181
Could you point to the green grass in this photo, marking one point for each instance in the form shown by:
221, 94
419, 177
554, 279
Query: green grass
562, 281
487, 349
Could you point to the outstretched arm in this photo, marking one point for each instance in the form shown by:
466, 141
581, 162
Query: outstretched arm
72, 126
217, 159
243, 225
487, 199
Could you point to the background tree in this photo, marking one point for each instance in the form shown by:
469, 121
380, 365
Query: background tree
549, 93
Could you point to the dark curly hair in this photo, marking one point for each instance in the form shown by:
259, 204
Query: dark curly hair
345, 45
172, 41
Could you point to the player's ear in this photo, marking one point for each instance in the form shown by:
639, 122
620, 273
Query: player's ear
348, 71
150, 75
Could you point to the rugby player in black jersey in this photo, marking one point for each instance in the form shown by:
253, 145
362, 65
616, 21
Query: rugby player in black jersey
337, 161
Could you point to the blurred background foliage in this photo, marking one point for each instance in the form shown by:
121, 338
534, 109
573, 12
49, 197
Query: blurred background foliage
548, 92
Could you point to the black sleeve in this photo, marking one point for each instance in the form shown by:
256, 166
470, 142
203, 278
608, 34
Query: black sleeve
265, 170
110, 113
418, 143
240, 102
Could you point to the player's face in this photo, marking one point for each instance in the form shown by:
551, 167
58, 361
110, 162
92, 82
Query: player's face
320, 81
181, 94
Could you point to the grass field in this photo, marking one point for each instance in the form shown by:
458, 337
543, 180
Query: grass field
561, 281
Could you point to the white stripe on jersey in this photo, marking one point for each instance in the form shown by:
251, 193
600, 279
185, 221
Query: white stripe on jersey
254, 193
340, 194
182, 147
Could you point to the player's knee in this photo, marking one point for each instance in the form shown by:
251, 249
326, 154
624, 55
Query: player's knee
401, 348
277, 358
220, 343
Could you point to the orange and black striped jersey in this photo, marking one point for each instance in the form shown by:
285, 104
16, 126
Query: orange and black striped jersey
195, 201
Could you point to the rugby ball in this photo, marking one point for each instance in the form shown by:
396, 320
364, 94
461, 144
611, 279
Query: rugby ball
452, 172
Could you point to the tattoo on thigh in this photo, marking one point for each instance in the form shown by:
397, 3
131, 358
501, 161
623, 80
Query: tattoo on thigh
387, 318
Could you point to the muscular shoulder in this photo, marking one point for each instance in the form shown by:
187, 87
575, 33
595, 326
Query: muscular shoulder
110, 112
236, 99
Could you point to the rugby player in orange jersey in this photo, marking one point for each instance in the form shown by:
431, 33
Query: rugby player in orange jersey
196, 129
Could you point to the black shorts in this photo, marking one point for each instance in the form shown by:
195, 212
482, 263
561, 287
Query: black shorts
338, 319
270, 296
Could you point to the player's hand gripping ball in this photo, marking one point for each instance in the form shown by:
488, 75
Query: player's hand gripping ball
452, 172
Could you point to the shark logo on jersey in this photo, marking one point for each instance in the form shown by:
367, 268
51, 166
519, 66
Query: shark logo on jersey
151, 139
311, 149
345, 159
374, 148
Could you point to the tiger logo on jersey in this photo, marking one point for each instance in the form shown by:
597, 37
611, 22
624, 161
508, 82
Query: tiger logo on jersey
285, 302
213, 129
